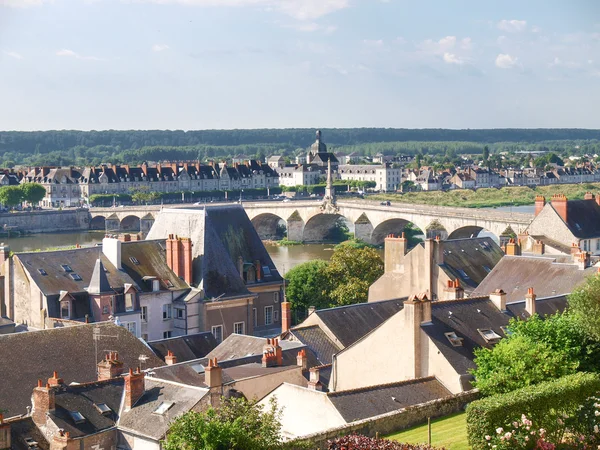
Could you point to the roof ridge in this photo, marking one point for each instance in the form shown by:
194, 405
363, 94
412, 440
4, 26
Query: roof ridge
460, 300
377, 386
76, 385
48, 330
361, 304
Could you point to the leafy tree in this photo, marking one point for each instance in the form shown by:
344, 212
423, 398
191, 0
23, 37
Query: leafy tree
418, 161
584, 305
308, 285
486, 153
237, 425
32, 192
143, 195
350, 272
11, 195
517, 362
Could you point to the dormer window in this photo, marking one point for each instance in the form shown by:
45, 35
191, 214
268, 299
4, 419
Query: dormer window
66, 268
42, 272
77, 417
454, 339
489, 335
75, 276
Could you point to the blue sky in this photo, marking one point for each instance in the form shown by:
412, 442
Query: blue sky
197, 64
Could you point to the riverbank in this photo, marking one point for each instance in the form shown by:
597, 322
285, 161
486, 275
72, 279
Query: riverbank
490, 197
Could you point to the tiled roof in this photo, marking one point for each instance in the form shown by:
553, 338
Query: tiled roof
241, 345
185, 348
24, 428
316, 339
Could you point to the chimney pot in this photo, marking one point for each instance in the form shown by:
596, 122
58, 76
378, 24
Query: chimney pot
530, 301
213, 374
540, 202
134, 388
286, 316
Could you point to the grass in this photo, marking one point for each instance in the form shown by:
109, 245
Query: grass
449, 432
491, 197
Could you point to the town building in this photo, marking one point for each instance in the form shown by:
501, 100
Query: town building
386, 177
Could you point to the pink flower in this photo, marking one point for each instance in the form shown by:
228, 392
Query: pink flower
487, 437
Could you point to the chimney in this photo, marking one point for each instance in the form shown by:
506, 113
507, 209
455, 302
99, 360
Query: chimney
530, 302
4, 253
539, 248
258, 268
127, 168
286, 316
213, 374
588, 196
513, 248
186, 254
498, 297
170, 359
574, 250
313, 381
175, 168
125, 237
134, 388
395, 249
43, 400
540, 202
302, 360
144, 168
60, 441
110, 367
176, 249
170, 251
272, 353
417, 312
5, 441
111, 248
438, 250
453, 290
559, 203
583, 260
55, 380
240, 263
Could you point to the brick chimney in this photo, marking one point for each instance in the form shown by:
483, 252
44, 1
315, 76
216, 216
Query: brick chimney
583, 260
258, 268
55, 380
60, 441
417, 312
540, 202
395, 249
286, 316
453, 291
44, 401
302, 360
110, 367
272, 353
213, 374
188, 272
588, 196
5, 441
125, 237
313, 381
575, 250
559, 203
170, 359
179, 257
530, 302
539, 248
134, 388
513, 248
498, 298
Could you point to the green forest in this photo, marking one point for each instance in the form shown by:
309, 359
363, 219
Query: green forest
95, 147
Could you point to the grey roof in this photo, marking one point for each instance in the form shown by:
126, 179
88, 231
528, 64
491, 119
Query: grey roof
318, 341
358, 404
99, 282
27, 357
142, 419
185, 348
24, 428
583, 218
349, 323
515, 274
471, 256
564, 248
242, 345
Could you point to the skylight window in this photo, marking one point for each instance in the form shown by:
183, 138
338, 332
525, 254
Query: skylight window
42, 272
66, 268
506, 331
487, 269
199, 368
489, 335
454, 339
463, 274
76, 277
134, 260
168, 283
266, 271
163, 408
77, 417
103, 408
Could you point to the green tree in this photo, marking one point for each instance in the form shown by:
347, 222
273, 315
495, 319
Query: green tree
308, 285
486, 153
418, 161
237, 425
32, 192
10, 195
584, 305
518, 362
350, 272
143, 195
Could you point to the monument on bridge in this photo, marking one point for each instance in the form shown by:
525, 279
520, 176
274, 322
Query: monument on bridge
329, 205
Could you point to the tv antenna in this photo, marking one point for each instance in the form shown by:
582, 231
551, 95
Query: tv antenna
142, 359
97, 335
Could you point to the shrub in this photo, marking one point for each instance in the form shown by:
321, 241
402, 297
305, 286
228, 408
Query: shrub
358, 442
544, 404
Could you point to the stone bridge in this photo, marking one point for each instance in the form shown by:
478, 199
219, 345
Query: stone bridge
370, 221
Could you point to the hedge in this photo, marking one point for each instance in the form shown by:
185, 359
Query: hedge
542, 403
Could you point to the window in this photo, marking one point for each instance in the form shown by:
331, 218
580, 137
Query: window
144, 314
276, 297
134, 260
266, 271
166, 334
105, 309
217, 332
276, 315
454, 339
102, 408
239, 327
167, 312
77, 416
131, 327
254, 317
163, 408
489, 335
43, 272
463, 274
75, 276
128, 302
65, 309
180, 313
268, 315
487, 269
66, 268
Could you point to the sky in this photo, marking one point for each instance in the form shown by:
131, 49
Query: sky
203, 64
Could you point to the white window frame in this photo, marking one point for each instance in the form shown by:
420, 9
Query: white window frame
144, 314
167, 311
276, 297
269, 322
214, 329
68, 316
131, 307
237, 325
131, 327
180, 313
167, 334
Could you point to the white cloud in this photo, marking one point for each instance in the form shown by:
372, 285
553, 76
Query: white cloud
506, 61
13, 55
71, 54
159, 47
512, 26
438, 47
23, 3
535, 29
466, 43
451, 58
373, 42
557, 62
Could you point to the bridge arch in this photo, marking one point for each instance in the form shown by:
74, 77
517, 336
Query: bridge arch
325, 227
269, 226
436, 229
130, 223
470, 231
391, 226
98, 223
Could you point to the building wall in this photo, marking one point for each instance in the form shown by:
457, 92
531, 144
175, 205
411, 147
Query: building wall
257, 387
27, 299
130, 441
47, 221
266, 297
155, 325
227, 312
550, 224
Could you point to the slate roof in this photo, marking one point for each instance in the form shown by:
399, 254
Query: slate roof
21, 429
583, 218
467, 260
142, 419
27, 357
358, 404
318, 341
515, 274
99, 282
564, 248
237, 346
349, 323
82, 399
185, 348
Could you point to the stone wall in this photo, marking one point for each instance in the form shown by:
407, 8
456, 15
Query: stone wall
394, 421
46, 221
